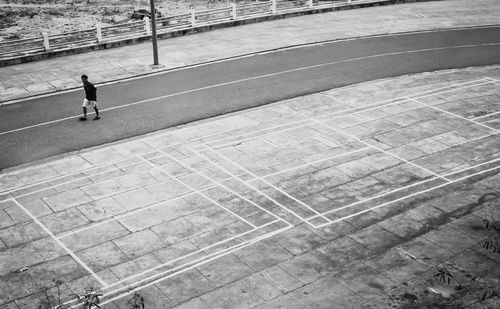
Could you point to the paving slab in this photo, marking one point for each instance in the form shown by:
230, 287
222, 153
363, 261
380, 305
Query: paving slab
217, 217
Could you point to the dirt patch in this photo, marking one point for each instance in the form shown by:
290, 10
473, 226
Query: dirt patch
30, 18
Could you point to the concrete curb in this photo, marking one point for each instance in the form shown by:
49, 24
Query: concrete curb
186, 31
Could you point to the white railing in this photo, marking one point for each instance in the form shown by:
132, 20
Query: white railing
68, 40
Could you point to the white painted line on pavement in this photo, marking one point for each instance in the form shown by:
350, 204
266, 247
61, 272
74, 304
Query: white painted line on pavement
471, 167
408, 196
266, 182
254, 78
135, 211
191, 254
62, 245
204, 258
256, 190
273, 130
383, 151
308, 122
458, 116
223, 186
74, 180
376, 196
421, 92
454, 87
10, 190
353, 110
405, 187
313, 162
214, 257
492, 79
208, 258
486, 116
200, 193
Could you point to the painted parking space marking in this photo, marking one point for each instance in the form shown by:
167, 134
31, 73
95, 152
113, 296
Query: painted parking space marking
221, 151
62, 245
414, 194
199, 257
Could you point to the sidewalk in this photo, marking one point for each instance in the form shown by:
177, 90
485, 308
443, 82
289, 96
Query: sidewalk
107, 65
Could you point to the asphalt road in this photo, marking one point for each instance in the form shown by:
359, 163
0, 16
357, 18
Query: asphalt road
44, 127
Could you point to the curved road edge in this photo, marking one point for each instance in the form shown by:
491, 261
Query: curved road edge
161, 70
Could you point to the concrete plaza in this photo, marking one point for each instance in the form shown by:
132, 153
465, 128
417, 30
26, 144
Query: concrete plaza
349, 198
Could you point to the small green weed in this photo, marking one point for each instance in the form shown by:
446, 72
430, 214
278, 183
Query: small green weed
493, 241
136, 302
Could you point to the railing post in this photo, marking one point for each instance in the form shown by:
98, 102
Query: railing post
46, 44
273, 6
310, 3
98, 33
193, 18
233, 8
147, 25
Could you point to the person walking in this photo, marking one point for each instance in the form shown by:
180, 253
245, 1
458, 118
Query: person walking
90, 98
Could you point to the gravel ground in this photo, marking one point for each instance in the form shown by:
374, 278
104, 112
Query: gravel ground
21, 19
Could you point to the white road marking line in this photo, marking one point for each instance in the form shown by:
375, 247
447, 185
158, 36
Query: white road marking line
408, 196
256, 190
209, 258
486, 116
85, 177
421, 92
267, 182
360, 109
471, 167
408, 186
7, 191
376, 196
10, 190
191, 254
274, 130
492, 79
313, 162
260, 238
134, 211
354, 110
88, 177
200, 193
223, 186
381, 150
454, 87
61, 244
457, 116
254, 78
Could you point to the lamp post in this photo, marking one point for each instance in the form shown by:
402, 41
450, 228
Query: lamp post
153, 32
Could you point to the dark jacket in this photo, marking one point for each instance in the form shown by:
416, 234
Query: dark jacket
90, 91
